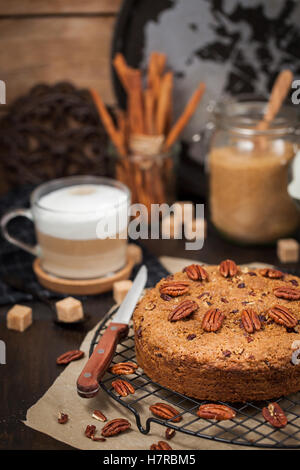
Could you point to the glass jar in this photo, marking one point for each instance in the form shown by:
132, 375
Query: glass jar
148, 171
248, 173
294, 180
149, 177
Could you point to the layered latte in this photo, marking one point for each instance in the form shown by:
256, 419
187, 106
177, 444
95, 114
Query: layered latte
82, 230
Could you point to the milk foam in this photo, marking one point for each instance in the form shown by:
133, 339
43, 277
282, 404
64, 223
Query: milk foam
74, 212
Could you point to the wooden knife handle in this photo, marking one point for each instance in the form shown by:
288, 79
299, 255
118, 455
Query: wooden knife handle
95, 368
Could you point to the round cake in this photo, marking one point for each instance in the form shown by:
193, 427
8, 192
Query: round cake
222, 333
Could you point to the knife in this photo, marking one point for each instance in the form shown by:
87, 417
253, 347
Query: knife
95, 368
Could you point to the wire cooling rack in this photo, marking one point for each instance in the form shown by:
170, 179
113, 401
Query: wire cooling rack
248, 428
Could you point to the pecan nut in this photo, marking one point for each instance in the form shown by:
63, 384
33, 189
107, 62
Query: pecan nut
115, 426
69, 356
228, 268
90, 433
283, 316
174, 288
123, 388
288, 293
274, 414
123, 368
97, 414
250, 320
271, 273
161, 445
98, 439
165, 297
212, 320
150, 305
170, 433
183, 310
214, 411
164, 411
63, 418
196, 272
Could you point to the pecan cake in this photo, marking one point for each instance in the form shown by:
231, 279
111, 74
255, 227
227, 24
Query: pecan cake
221, 332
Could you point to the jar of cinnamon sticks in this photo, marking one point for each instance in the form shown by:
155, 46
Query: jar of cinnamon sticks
148, 171
144, 134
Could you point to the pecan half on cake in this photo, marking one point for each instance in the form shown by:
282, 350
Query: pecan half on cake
224, 336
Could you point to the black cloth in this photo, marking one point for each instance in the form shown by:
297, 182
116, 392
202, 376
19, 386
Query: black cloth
18, 263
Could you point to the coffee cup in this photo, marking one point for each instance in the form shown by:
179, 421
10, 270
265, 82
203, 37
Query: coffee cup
80, 224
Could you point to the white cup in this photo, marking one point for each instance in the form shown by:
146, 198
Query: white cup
81, 226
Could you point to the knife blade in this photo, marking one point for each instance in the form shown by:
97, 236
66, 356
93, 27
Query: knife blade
126, 308
96, 366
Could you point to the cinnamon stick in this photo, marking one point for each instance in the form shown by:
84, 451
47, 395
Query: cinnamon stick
185, 117
161, 60
164, 102
108, 122
158, 183
149, 111
122, 126
153, 79
152, 69
121, 69
136, 112
279, 92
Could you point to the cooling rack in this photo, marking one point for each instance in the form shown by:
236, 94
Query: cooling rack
248, 428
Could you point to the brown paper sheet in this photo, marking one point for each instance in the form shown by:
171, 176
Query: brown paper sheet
62, 396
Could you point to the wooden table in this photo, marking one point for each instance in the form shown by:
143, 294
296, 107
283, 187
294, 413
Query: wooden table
31, 357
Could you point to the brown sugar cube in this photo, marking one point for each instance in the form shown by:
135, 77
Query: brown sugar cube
120, 289
288, 250
195, 230
171, 227
69, 310
135, 253
19, 318
183, 211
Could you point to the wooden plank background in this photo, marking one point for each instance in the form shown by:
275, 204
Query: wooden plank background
49, 41
18, 7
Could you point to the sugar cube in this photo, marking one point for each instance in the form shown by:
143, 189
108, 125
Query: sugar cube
288, 250
69, 310
19, 318
120, 289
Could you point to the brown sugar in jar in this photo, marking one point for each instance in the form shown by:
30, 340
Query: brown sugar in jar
248, 169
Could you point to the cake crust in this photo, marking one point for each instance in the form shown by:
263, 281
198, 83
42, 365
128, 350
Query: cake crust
229, 364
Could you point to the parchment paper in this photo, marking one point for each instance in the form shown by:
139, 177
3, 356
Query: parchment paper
62, 396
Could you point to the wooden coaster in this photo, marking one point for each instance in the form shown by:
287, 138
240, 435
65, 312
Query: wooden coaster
85, 286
